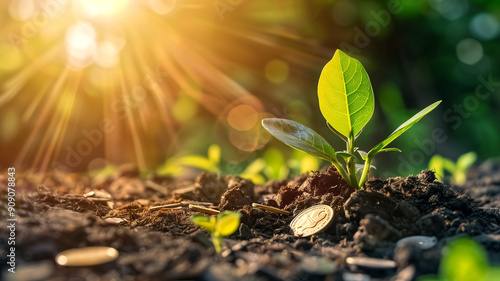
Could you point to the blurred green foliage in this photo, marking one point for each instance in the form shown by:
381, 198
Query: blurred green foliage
415, 51
463, 259
457, 171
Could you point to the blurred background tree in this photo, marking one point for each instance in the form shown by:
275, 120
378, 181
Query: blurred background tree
85, 84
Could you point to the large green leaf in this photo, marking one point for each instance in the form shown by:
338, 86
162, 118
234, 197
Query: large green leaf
403, 128
299, 137
345, 94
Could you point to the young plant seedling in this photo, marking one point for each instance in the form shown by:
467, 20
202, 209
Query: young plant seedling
224, 224
346, 101
457, 170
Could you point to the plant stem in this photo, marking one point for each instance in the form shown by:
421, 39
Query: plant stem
351, 165
217, 240
342, 172
366, 169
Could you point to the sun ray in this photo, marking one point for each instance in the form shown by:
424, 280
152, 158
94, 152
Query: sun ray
134, 132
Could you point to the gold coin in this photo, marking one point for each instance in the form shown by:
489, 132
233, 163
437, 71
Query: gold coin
312, 220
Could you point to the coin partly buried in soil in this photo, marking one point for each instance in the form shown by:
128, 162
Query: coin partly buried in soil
86, 256
312, 220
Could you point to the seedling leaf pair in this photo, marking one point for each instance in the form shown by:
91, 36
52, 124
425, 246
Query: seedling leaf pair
224, 224
346, 101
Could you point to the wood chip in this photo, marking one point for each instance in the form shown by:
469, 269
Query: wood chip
271, 209
204, 209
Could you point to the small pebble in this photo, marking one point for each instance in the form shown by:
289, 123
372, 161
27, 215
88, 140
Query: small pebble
115, 221
143, 202
31, 272
89, 194
86, 256
318, 265
355, 277
371, 263
424, 242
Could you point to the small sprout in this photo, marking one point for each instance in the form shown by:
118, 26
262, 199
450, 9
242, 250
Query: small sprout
346, 101
457, 170
224, 224
463, 259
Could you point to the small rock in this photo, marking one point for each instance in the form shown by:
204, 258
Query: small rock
245, 232
373, 230
87, 256
424, 242
221, 272
302, 244
318, 265
348, 276
31, 272
370, 263
115, 221
143, 202
407, 274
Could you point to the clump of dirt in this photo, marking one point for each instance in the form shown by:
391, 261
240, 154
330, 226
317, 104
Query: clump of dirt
57, 212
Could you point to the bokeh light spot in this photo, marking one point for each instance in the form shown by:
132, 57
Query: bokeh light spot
450, 9
242, 117
80, 44
184, 108
12, 59
162, 7
484, 26
98, 7
107, 54
22, 9
276, 71
469, 51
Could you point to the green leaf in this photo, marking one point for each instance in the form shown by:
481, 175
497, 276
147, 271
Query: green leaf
403, 128
252, 171
345, 94
464, 260
344, 154
199, 162
300, 137
389, 149
466, 160
227, 223
207, 223
336, 132
214, 154
436, 165
363, 154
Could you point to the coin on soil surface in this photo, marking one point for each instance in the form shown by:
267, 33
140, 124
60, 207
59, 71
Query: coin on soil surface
312, 220
86, 256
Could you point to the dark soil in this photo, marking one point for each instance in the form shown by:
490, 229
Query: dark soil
162, 244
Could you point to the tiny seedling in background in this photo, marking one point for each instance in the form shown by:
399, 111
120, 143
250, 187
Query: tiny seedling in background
463, 259
458, 170
209, 163
346, 101
224, 224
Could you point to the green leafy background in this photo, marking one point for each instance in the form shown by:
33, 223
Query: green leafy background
415, 53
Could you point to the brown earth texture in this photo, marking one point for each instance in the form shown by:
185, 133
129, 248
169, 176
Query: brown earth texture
56, 212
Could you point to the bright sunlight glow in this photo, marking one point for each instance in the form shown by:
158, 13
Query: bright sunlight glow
99, 7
